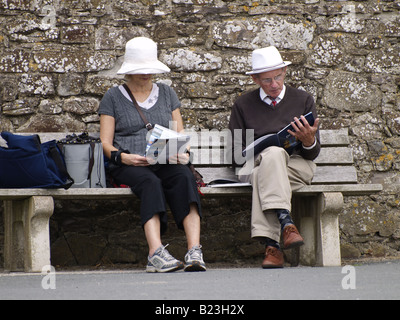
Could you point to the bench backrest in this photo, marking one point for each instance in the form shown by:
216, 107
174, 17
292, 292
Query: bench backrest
334, 164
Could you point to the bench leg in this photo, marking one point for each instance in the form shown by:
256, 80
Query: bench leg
27, 236
319, 226
328, 240
305, 210
308, 250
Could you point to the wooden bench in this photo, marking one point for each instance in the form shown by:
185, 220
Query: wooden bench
316, 207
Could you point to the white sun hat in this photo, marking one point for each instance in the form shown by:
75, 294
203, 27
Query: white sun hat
141, 58
267, 59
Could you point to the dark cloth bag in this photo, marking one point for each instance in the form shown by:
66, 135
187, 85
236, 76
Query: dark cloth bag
27, 163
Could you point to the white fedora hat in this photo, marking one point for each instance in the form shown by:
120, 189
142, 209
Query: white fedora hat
267, 59
141, 58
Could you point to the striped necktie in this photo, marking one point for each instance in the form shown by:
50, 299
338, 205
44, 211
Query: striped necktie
274, 103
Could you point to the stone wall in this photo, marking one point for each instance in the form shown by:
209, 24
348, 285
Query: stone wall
57, 59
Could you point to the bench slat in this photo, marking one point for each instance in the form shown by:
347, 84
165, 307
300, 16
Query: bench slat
323, 175
335, 174
328, 156
339, 137
346, 189
335, 156
219, 139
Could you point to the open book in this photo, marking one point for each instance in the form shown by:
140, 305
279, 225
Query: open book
281, 139
164, 143
225, 183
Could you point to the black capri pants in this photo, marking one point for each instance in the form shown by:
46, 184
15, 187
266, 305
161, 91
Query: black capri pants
159, 185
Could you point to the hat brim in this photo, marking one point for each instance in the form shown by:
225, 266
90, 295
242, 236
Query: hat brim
271, 68
154, 67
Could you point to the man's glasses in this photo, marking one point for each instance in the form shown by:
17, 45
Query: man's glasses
279, 77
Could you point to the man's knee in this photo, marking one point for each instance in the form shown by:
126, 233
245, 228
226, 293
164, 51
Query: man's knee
274, 153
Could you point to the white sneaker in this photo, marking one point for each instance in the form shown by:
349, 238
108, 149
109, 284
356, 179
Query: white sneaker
162, 261
194, 260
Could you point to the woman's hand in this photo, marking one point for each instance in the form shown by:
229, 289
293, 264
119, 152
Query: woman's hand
134, 160
182, 158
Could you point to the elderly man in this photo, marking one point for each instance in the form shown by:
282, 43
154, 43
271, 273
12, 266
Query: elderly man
275, 174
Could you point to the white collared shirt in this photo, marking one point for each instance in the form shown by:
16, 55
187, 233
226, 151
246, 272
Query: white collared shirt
264, 97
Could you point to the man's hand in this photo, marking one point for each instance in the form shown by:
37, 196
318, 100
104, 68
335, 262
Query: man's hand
303, 131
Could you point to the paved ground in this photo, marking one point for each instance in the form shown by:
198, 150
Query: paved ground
371, 281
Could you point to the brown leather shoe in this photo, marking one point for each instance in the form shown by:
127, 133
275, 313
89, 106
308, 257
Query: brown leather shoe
273, 258
292, 237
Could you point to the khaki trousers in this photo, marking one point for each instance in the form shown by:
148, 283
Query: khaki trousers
274, 176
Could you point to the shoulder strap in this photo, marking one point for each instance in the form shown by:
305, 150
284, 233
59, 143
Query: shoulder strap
58, 160
148, 125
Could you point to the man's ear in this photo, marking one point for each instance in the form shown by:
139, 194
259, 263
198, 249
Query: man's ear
256, 78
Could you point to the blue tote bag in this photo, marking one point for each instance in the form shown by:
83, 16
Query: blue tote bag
27, 163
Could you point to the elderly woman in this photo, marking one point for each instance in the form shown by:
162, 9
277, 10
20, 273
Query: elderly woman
123, 134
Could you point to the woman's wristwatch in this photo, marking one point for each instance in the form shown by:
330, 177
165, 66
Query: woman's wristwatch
116, 157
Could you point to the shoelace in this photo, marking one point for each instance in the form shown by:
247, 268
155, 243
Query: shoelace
289, 229
195, 253
165, 254
272, 252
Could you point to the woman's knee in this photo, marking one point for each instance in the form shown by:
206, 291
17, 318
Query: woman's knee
182, 174
147, 184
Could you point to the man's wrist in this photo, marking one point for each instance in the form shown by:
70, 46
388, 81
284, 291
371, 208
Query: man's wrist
311, 146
